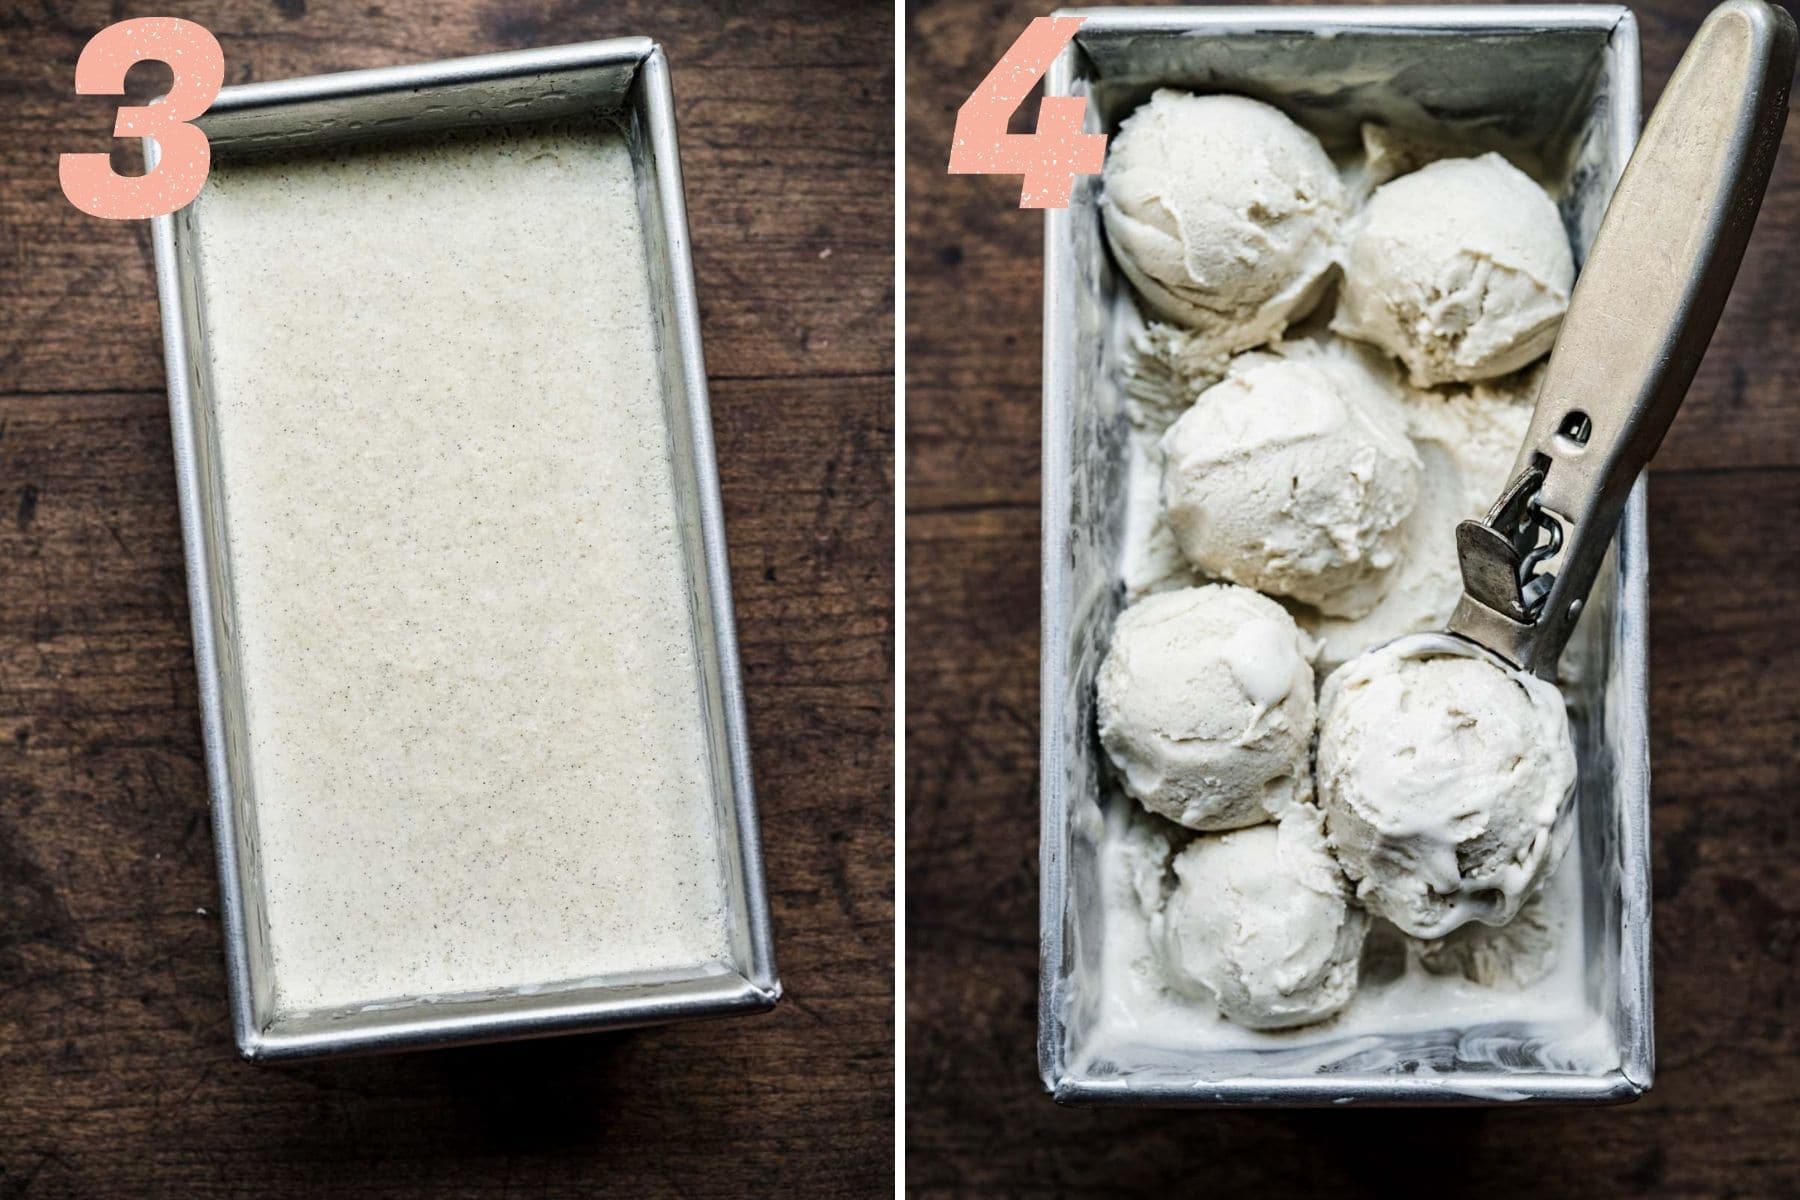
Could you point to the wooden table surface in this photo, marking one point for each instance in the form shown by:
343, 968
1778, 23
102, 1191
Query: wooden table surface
117, 1072
1725, 717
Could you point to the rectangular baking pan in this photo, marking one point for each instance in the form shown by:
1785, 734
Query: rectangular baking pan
1559, 80
626, 76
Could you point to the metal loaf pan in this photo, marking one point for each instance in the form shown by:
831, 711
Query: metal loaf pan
1557, 83
626, 76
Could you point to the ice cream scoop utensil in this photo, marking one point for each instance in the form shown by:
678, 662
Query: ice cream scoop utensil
1642, 312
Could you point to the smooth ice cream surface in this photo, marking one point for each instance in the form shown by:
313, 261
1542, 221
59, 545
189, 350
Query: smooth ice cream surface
1283, 479
1225, 215
475, 728
1257, 922
1447, 784
1206, 706
1462, 270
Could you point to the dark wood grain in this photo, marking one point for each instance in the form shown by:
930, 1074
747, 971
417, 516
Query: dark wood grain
117, 1074
1725, 674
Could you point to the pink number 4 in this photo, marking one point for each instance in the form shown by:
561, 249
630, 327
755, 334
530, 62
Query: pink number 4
1057, 151
184, 155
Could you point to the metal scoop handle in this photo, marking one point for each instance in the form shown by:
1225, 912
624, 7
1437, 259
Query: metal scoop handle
1641, 315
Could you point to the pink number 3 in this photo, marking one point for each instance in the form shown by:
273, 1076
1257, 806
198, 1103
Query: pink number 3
184, 156
1057, 151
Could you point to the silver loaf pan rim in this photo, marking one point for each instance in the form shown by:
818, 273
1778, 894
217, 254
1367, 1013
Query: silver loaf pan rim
625, 75
1231, 48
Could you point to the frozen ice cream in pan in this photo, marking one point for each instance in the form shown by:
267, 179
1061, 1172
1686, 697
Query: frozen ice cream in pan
468, 671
